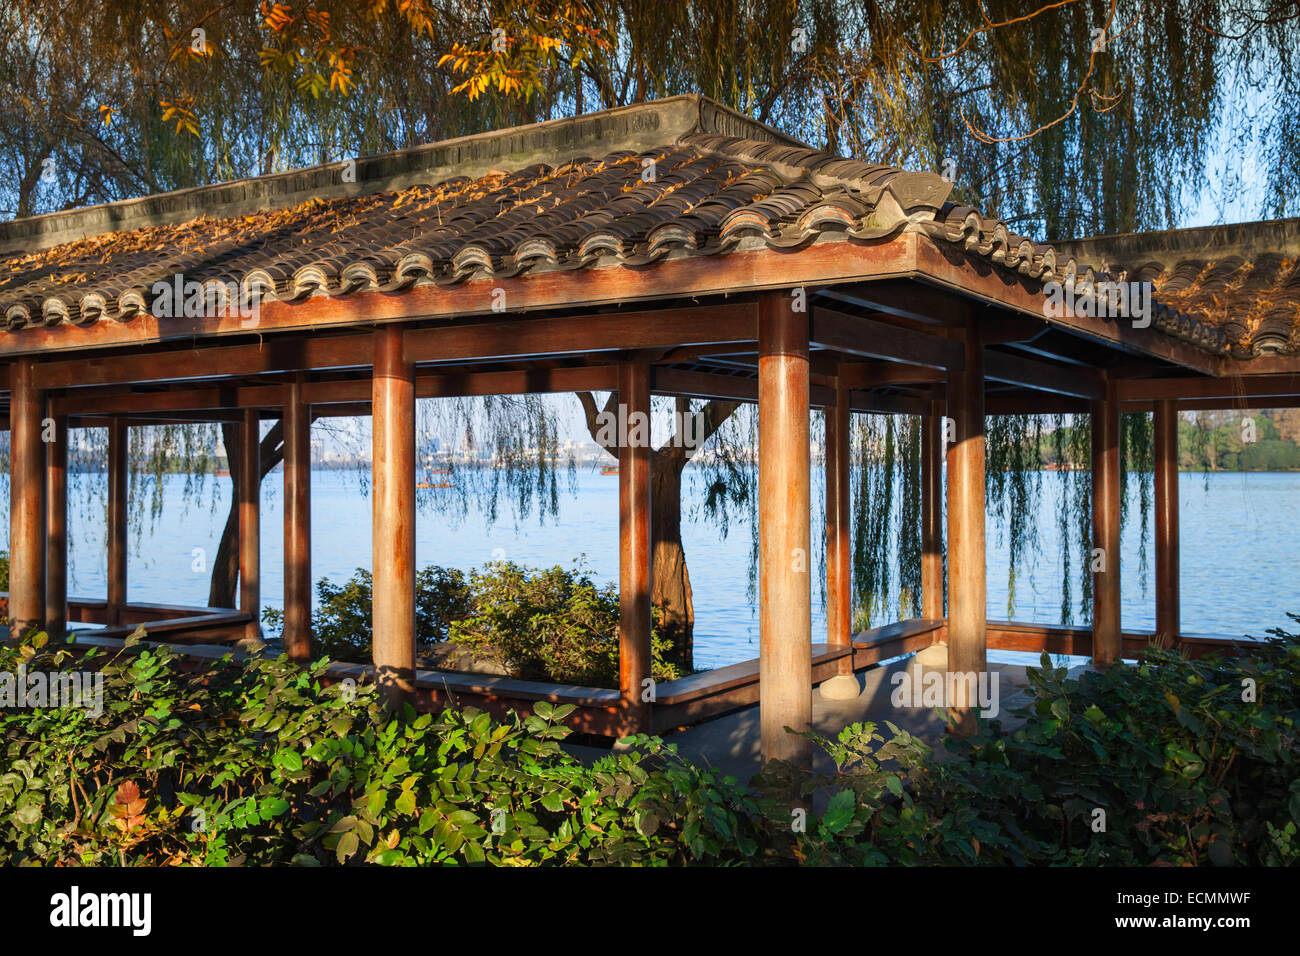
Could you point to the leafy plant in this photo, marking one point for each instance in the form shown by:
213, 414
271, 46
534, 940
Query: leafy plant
1170, 762
263, 762
260, 762
341, 620
550, 624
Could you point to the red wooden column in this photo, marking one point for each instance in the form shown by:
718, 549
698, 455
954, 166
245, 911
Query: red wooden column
634, 566
26, 509
250, 520
56, 525
932, 512
839, 624
393, 539
1168, 610
116, 527
784, 594
297, 522
967, 582
1105, 530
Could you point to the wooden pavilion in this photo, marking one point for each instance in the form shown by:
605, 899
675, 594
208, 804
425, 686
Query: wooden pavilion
674, 247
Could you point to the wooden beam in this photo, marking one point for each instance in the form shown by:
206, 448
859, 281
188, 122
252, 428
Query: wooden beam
854, 335
855, 375
967, 584
634, 544
26, 507
1237, 386
904, 298
932, 445
1043, 376
117, 529
673, 381
1224, 404
861, 401
448, 384
56, 525
785, 594
1035, 404
250, 520
691, 384
1168, 601
615, 331
297, 523
113, 401
393, 539
221, 361
1105, 532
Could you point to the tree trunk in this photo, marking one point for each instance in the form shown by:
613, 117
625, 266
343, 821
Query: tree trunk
670, 584
224, 585
670, 587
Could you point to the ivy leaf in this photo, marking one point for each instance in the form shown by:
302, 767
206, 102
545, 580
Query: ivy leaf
347, 846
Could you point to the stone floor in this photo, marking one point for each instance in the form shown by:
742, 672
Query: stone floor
731, 743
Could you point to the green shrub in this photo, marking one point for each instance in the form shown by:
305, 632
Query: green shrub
1184, 768
549, 624
257, 763
341, 620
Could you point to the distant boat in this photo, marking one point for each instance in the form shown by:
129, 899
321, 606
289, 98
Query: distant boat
440, 484
609, 470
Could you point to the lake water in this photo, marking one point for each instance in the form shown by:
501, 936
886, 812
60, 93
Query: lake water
1240, 565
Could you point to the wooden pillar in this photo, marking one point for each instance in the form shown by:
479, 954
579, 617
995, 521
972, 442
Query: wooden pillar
393, 539
1105, 530
839, 587
1168, 610
250, 520
56, 525
26, 508
785, 594
297, 522
932, 512
967, 582
116, 527
634, 558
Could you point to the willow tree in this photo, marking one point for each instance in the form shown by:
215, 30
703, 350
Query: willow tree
1070, 118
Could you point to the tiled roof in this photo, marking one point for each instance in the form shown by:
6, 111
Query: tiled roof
702, 195
1242, 280
493, 206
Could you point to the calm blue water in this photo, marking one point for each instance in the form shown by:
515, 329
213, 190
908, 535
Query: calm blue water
1240, 566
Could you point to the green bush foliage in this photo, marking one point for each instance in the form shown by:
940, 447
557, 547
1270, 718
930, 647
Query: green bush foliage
1187, 769
341, 619
258, 762
550, 624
